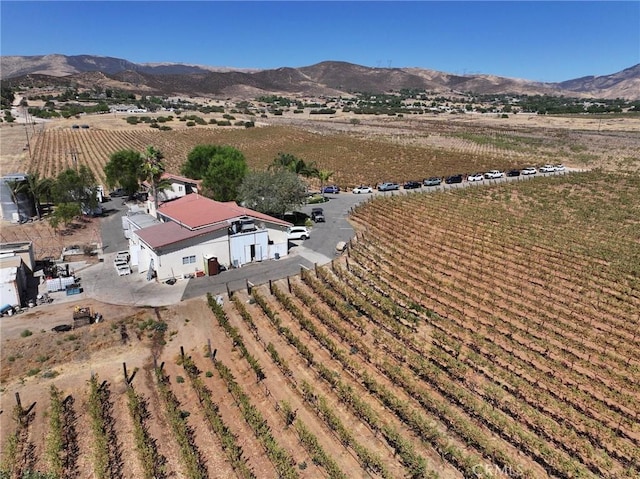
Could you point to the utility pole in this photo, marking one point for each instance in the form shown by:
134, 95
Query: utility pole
74, 157
26, 132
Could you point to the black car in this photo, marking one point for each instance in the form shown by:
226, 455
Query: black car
513, 173
411, 185
453, 179
317, 215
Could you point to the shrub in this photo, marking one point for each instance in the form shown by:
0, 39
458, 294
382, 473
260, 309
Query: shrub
224, 123
26, 333
191, 123
249, 124
179, 379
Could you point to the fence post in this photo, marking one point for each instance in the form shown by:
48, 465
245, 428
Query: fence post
270, 287
289, 283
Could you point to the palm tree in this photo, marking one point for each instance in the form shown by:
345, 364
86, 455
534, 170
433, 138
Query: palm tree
152, 170
323, 176
39, 187
289, 162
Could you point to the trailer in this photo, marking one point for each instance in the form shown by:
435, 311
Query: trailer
83, 316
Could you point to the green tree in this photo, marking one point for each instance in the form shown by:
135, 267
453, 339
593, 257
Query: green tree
64, 213
124, 169
221, 169
78, 187
39, 188
7, 97
198, 161
272, 191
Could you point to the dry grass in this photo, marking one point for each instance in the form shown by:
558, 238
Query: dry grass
375, 150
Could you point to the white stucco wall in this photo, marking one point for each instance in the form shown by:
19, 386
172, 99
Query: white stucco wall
168, 262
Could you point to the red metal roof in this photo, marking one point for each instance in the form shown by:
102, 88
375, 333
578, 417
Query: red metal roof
165, 234
196, 211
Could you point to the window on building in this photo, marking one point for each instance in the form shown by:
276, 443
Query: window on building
188, 259
180, 188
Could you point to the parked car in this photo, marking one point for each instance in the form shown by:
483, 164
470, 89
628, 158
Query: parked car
547, 169
388, 186
331, 189
317, 215
433, 181
453, 179
512, 173
559, 167
529, 170
475, 177
362, 189
117, 192
493, 174
299, 233
411, 185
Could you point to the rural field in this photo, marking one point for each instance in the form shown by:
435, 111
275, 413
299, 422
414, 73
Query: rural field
372, 151
489, 331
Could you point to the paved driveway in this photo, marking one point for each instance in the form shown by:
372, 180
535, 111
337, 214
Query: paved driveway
101, 281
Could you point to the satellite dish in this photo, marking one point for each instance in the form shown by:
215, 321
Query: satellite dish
261, 225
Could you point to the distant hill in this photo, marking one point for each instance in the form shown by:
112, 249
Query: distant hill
325, 78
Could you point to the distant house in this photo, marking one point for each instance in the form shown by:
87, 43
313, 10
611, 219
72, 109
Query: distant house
127, 109
198, 235
179, 186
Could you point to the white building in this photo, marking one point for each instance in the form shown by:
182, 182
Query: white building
16, 267
179, 186
198, 234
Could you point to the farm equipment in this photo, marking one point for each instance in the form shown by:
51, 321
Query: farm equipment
84, 317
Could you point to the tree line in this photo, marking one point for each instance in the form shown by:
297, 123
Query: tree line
223, 174
222, 171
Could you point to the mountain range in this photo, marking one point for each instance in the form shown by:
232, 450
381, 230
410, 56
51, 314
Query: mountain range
330, 78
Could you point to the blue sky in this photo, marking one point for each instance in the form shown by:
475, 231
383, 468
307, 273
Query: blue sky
544, 41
